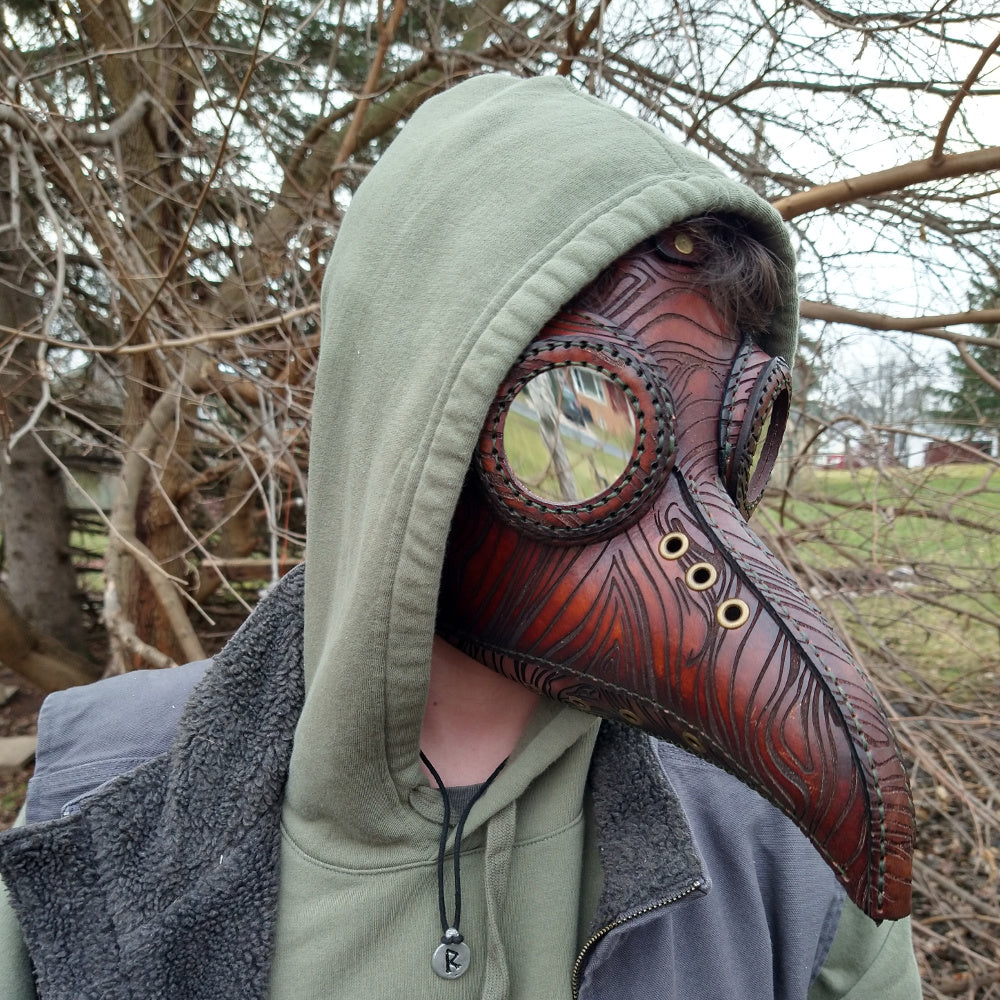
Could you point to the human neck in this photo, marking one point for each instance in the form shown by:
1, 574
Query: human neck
473, 718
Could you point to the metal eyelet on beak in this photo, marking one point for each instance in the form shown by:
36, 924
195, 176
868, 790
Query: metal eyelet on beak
692, 743
701, 576
733, 613
674, 545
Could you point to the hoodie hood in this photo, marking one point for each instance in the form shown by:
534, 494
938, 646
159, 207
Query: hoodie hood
497, 203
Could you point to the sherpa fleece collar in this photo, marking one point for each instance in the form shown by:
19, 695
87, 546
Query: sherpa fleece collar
165, 882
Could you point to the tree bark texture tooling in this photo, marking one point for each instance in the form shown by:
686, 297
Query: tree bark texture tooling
710, 643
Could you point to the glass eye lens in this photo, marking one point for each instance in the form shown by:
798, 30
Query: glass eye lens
758, 454
766, 449
569, 434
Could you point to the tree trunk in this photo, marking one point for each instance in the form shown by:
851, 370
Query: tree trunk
33, 509
152, 174
36, 533
158, 525
46, 663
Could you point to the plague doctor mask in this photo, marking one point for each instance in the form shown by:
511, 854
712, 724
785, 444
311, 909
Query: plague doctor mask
600, 554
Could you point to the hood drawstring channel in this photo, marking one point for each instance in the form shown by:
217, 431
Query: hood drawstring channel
451, 957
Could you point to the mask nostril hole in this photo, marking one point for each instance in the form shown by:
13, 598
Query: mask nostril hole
733, 613
674, 545
701, 576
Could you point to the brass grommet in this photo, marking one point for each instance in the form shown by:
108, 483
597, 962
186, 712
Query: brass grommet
692, 743
733, 613
627, 715
577, 703
701, 576
674, 545
683, 244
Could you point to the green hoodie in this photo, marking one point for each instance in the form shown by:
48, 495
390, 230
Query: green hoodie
498, 202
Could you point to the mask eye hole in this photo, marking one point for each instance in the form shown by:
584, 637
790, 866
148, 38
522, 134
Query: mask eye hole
755, 412
580, 436
733, 613
674, 545
701, 576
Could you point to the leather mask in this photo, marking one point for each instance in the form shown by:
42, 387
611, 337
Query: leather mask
600, 554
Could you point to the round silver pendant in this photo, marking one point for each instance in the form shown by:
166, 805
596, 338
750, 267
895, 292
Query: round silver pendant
451, 959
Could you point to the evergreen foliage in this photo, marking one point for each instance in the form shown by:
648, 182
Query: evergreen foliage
973, 405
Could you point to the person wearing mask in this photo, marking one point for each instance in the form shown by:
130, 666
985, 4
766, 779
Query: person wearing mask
541, 717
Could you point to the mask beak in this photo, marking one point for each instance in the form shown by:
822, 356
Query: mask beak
667, 612
760, 683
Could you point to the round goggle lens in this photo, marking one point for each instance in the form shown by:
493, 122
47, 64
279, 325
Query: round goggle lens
569, 435
580, 436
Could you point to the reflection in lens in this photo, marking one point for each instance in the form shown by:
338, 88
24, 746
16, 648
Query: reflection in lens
569, 434
759, 450
766, 450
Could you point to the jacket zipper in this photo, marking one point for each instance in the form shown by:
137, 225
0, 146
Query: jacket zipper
658, 905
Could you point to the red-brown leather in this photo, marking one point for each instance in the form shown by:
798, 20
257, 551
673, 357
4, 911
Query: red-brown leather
614, 627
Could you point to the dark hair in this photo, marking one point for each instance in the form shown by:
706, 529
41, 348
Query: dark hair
742, 277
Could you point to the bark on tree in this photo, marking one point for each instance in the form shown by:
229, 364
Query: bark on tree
34, 514
38, 657
153, 174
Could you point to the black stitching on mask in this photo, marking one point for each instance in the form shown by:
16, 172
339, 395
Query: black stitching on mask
626, 477
728, 400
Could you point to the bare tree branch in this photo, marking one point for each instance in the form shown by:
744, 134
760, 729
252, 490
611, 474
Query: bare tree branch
386, 33
980, 161
928, 326
977, 369
39, 658
938, 154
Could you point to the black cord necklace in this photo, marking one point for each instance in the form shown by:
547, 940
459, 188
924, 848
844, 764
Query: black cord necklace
451, 957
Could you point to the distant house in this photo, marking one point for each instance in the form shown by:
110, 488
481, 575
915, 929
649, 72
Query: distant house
590, 398
861, 459
947, 452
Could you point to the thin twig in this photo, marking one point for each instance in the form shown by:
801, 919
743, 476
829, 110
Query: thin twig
937, 156
386, 35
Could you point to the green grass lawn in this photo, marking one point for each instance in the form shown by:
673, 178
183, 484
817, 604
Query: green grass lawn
950, 514
907, 560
